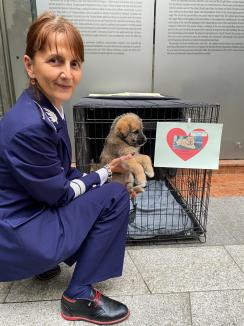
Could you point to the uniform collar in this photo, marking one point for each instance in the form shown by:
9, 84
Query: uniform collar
60, 112
48, 110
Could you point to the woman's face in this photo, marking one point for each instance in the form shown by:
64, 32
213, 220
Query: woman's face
55, 69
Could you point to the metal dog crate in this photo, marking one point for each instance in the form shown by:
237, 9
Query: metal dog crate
174, 205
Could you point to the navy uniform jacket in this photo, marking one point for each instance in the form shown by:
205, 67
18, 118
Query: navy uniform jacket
39, 190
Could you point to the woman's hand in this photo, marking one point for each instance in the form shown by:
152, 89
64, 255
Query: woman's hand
118, 165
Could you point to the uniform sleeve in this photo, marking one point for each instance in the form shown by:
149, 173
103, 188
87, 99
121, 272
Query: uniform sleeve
32, 158
74, 173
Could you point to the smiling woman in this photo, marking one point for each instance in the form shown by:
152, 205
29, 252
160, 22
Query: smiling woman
53, 60
55, 70
51, 212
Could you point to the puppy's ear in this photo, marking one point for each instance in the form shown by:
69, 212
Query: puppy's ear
122, 128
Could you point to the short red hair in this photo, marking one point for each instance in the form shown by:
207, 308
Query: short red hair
39, 31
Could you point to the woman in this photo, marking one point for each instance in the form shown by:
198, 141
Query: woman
50, 212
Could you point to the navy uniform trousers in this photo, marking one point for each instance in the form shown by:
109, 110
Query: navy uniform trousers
95, 242
101, 255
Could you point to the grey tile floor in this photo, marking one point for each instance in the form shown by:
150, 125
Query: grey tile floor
190, 284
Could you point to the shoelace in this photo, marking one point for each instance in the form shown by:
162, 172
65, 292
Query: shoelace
97, 297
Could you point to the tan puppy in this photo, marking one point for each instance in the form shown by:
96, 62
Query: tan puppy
125, 137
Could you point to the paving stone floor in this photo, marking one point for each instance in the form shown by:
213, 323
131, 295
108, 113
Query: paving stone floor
190, 284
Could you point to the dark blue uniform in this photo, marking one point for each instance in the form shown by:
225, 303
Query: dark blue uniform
50, 212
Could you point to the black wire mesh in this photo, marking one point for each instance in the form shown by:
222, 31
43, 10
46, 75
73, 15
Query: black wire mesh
174, 205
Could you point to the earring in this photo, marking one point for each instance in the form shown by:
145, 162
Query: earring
33, 81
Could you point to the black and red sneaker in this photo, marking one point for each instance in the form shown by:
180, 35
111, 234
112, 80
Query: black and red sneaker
99, 309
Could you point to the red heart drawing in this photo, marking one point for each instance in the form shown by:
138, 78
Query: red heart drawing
187, 145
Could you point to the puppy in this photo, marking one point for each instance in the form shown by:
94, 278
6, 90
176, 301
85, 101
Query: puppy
126, 137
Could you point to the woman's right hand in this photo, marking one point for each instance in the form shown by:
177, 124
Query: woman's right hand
119, 165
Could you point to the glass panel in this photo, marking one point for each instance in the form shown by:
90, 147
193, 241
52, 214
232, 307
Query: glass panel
5, 96
15, 16
17, 20
1, 104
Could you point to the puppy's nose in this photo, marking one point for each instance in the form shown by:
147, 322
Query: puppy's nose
142, 139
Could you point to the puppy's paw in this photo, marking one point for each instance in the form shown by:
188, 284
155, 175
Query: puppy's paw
138, 189
140, 180
133, 191
149, 173
141, 184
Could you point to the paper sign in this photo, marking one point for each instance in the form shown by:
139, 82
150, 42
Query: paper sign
187, 145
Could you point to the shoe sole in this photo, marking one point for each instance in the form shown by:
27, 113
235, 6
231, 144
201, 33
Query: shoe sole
95, 321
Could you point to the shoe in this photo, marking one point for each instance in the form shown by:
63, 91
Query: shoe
99, 310
48, 275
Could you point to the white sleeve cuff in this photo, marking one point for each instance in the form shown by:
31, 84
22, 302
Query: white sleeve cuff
78, 186
103, 174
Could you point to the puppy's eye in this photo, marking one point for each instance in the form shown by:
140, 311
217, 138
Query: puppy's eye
136, 132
